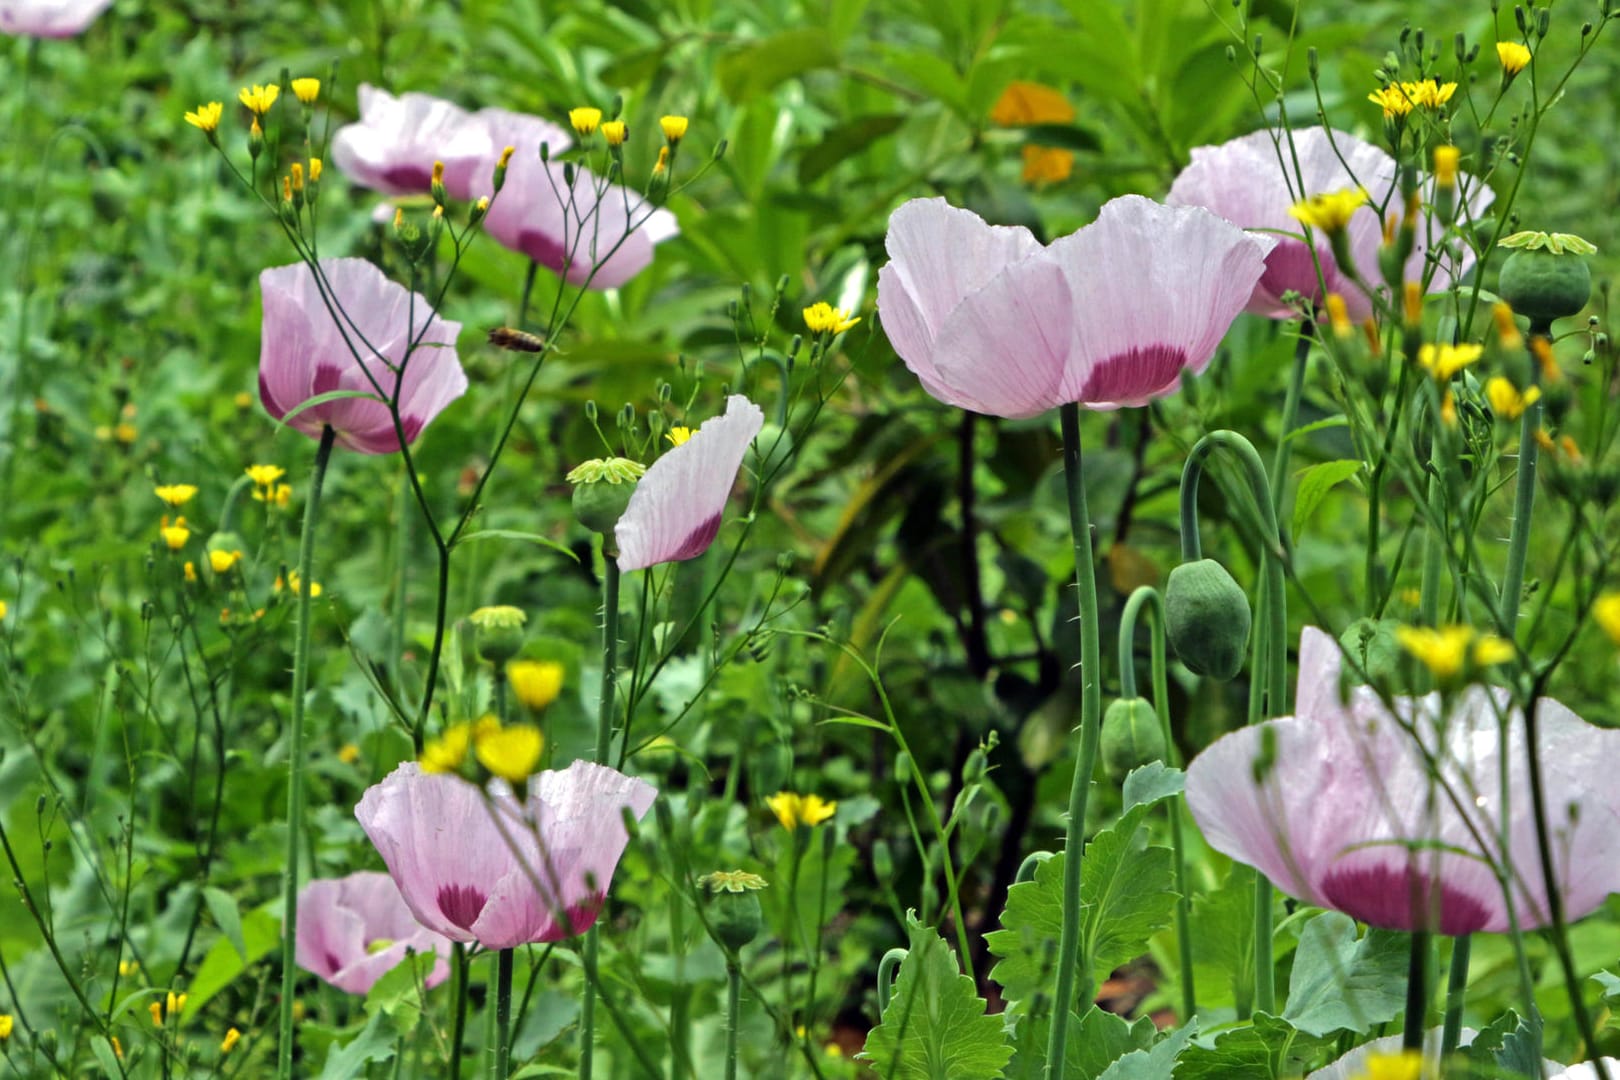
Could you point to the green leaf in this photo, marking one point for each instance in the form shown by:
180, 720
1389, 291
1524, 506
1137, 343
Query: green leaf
261, 932
513, 534
1320, 425
398, 993
1223, 940
756, 67
1342, 984
935, 1027
1314, 484
1065, 136
1151, 783
1156, 1062
1094, 1043
375, 1043
1506, 1048
222, 906
1268, 1049
322, 399
844, 141
1126, 896
103, 1051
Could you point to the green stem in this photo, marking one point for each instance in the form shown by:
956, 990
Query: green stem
1069, 957
1417, 991
503, 1014
402, 543
458, 1027
1290, 417
295, 752
604, 736
1456, 991
1524, 497
733, 1011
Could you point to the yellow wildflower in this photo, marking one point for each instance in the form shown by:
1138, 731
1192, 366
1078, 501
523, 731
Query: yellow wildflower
1393, 100
678, 435
177, 1002
243, 400
1047, 164
1445, 165
1338, 316
615, 132
1446, 651
307, 90
662, 164
448, 752
1606, 612
536, 683
1430, 93
1330, 211
174, 535
793, 810
175, 494
118, 1047
207, 116
258, 99
674, 127
1404, 1065
1444, 361
585, 120
510, 752
265, 475
1507, 331
314, 170
293, 583
232, 1037
6, 1024
348, 753
1506, 400
822, 317
125, 433
1024, 103
221, 562
1514, 57
190, 570
156, 1009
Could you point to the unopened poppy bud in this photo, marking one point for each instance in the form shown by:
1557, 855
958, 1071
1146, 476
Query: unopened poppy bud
1131, 736
733, 908
602, 490
498, 632
1207, 617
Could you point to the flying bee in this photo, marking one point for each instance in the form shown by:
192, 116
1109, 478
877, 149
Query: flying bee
505, 337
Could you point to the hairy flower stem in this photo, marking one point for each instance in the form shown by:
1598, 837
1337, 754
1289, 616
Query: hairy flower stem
604, 736
458, 1028
503, 1014
1069, 958
1456, 990
1417, 991
1524, 498
733, 1009
1290, 417
295, 752
1147, 596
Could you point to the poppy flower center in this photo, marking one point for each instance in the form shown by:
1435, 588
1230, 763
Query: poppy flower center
461, 904
1396, 897
1136, 373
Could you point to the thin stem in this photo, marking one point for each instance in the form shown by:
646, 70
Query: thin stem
733, 1009
503, 1014
1285, 445
1524, 497
295, 752
1417, 991
1456, 993
604, 736
1069, 958
458, 1028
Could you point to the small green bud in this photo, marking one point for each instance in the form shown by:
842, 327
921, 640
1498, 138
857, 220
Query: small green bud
1207, 616
1131, 736
498, 632
602, 490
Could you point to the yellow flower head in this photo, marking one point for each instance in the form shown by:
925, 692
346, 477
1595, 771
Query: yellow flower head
1405, 1065
293, 583
314, 170
348, 753
824, 318
536, 683
174, 535
1024, 103
175, 494
1445, 165
1606, 612
510, 752
307, 90
228, 1043
674, 127
207, 116
1330, 211
662, 164
221, 562
1506, 400
585, 120
177, 1002
3, 609
1444, 361
258, 99
793, 810
448, 752
1507, 331
1430, 93
265, 475
615, 132
6, 1024
1338, 313
678, 435
190, 571
1393, 99
1448, 650
1515, 57
156, 1009
1047, 164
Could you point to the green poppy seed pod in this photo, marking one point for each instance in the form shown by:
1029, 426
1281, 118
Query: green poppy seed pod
498, 633
599, 504
1131, 736
1543, 286
735, 917
1207, 616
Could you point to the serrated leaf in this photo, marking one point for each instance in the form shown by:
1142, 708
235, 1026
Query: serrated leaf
375, 1043
1342, 984
1267, 1049
1151, 783
1314, 484
1223, 940
1094, 1043
935, 1027
1126, 897
222, 906
1507, 1047
1156, 1062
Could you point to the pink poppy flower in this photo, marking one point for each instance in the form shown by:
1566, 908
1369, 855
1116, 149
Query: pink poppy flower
675, 511
1245, 181
304, 353
1346, 815
596, 233
989, 320
354, 930
49, 18
472, 153
394, 144
491, 869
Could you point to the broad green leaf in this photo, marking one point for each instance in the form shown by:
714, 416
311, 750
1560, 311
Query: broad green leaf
1094, 1043
399, 992
935, 1027
1156, 1062
513, 534
1151, 783
222, 906
1342, 984
261, 932
375, 1043
756, 67
1268, 1049
844, 141
1314, 484
1223, 941
1506, 1048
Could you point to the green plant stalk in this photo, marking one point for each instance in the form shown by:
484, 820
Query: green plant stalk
1456, 991
826, 839
1417, 991
1147, 596
503, 1014
458, 1027
295, 753
604, 736
1290, 416
1524, 498
402, 543
733, 1012
1069, 952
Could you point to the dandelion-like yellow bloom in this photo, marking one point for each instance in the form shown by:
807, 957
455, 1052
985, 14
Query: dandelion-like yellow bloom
1405, 1065
1507, 402
673, 127
1393, 99
265, 475
156, 1009
824, 318
1444, 361
1606, 613
296, 173
678, 435
307, 90
207, 116
175, 494
295, 585
536, 683
1514, 57
1446, 651
1047, 164
6, 1024
1330, 211
125, 433
1338, 313
314, 170
448, 752
348, 753
177, 1002
1429, 93
1445, 166
228, 1043
615, 132
793, 810
258, 99
221, 562
511, 752
1507, 331
585, 120
190, 571
174, 535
